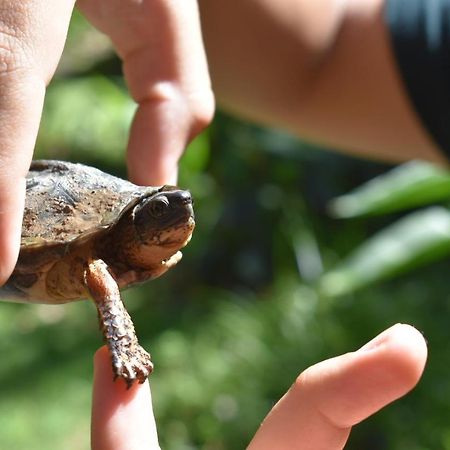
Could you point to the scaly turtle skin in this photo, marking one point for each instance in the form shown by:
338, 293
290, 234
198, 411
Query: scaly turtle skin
88, 234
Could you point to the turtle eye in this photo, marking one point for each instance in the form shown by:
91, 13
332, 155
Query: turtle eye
159, 206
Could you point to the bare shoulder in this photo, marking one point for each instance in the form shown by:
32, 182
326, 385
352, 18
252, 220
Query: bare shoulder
358, 100
323, 69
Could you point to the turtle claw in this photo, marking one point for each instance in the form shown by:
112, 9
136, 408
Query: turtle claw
131, 366
129, 360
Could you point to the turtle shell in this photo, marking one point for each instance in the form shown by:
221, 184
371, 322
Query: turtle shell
67, 202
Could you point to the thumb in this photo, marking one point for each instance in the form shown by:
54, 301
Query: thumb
330, 397
31, 42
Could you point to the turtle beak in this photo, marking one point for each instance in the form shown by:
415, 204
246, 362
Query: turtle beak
178, 198
184, 200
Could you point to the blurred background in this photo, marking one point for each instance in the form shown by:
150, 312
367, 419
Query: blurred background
299, 255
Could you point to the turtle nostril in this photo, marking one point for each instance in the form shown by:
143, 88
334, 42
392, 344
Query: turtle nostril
185, 197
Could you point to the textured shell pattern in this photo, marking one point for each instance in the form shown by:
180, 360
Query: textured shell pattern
67, 202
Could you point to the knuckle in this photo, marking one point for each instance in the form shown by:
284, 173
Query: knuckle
14, 56
195, 109
202, 108
11, 58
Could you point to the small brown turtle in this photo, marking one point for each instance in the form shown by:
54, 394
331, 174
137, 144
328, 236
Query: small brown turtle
88, 234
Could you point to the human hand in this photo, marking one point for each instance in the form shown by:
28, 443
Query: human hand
317, 413
164, 64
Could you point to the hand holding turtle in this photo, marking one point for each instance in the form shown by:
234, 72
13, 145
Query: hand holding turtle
165, 68
317, 413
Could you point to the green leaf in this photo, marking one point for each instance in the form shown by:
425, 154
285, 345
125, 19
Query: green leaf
417, 239
412, 184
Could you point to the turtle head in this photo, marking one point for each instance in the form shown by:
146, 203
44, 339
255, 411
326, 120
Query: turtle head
162, 224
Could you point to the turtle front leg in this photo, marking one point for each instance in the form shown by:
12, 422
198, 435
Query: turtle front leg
129, 360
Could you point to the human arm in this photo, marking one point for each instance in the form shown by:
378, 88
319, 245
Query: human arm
322, 69
316, 413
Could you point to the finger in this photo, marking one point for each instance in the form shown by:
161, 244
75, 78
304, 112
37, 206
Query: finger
31, 42
165, 67
121, 418
327, 399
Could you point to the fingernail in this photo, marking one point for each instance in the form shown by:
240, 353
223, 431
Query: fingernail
381, 339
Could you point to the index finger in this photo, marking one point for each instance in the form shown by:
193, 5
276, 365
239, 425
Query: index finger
164, 62
121, 418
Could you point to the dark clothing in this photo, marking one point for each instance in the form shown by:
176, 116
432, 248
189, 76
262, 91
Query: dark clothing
420, 35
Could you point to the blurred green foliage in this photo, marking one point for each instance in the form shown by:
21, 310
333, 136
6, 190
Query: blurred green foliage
270, 284
418, 238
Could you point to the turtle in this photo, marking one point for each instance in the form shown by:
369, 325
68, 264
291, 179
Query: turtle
88, 234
